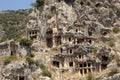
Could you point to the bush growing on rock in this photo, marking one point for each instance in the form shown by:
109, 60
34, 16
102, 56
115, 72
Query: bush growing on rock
116, 29
6, 61
9, 59
111, 43
25, 42
90, 76
45, 72
38, 3
32, 55
30, 60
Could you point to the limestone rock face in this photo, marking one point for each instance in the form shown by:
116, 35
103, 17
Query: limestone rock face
37, 75
9, 72
68, 34
56, 14
114, 77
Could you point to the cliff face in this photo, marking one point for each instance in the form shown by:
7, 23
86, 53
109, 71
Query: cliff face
56, 14
67, 36
96, 20
87, 13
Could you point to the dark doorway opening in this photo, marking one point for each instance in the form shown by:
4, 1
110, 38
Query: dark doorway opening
49, 37
104, 66
58, 40
33, 37
71, 64
85, 71
55, 63
81, 72
21, 78
90, 33
90, 41
104, 58
49, 42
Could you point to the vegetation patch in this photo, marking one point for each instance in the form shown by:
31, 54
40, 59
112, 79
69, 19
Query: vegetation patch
9, 59
38, 4
90, 76
116, 29
32, 55
30, 60
111, 43
13, 23
45, 71
25, 42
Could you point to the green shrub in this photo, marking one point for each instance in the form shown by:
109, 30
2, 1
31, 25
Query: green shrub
95, 49
42, 67
25, 42
111, 43
30, 60
114, 70
12, 57
45, 72
9, 59
37, 63
6, 61
116, 29
32, 55
90, 76
38, 4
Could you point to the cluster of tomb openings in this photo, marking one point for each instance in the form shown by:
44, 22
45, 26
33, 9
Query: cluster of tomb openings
89, 49
33, 34
56, 64
20, 78
85, 65
84, 71
49, 37
87, 68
